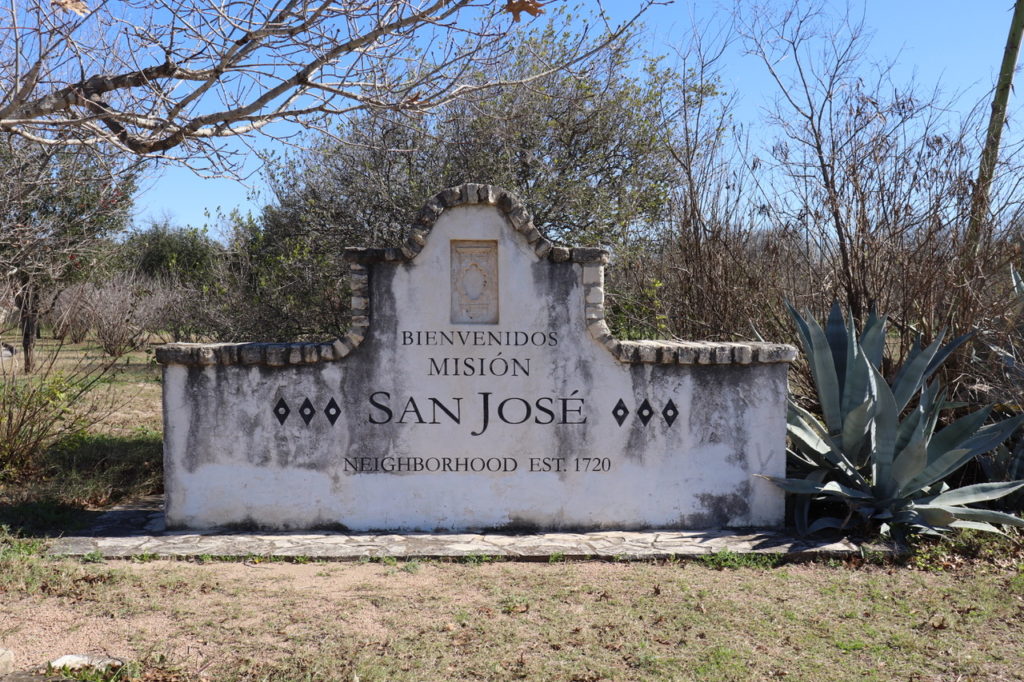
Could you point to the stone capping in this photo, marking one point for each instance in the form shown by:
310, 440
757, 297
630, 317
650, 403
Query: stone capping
591, 260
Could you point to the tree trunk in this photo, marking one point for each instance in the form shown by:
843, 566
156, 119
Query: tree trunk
29, 320
990, 153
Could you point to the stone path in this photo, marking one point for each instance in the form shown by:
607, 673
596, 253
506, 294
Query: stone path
138, 529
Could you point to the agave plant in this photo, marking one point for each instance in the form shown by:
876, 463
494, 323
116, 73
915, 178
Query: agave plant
877, 449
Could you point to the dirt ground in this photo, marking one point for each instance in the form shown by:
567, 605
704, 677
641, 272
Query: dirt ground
571, 621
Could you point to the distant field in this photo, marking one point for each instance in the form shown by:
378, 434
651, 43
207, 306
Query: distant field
134, 379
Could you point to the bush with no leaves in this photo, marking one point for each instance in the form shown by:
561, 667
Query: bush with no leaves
124, 310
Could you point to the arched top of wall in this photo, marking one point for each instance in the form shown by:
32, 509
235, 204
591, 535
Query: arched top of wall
510, 207
590, 260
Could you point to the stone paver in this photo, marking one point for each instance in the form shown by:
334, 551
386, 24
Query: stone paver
138, 529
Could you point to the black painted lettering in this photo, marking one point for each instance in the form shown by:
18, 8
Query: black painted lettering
572, 406
543, 405
411, 408
485, 404
455, 416
503, 417
435, 370
496, 369
382, 407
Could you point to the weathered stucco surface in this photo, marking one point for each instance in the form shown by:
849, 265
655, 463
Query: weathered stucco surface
533, 404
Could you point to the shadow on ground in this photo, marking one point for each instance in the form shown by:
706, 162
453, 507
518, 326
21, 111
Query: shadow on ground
77, 479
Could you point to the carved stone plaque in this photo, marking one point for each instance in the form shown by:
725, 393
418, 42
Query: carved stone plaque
474, 281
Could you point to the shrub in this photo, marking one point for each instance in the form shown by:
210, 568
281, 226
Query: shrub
124, 310
71, 314
885, 462
41, 409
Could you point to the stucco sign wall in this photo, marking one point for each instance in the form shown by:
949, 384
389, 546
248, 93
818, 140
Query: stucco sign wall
478, 388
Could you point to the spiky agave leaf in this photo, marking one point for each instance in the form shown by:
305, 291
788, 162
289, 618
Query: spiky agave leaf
883, 467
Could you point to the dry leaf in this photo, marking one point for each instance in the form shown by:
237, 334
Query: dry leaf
531, 7
76, 6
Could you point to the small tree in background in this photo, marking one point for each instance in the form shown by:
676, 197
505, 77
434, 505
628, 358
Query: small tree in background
163, 251
589, 149
56, 209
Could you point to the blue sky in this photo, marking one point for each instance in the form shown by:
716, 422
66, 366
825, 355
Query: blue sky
955, 44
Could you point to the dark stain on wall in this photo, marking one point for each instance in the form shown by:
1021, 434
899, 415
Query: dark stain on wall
720, 509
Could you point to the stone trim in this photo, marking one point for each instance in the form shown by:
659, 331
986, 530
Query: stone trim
591, 260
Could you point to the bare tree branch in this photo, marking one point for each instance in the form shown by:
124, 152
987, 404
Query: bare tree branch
173, 79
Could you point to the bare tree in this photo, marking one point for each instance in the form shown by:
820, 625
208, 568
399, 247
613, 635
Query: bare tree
876, 177
172, 79
125, 309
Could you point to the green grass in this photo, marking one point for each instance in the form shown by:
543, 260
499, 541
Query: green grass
727, 559
81, 474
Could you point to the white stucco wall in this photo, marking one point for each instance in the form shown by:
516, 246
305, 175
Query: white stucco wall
229, 460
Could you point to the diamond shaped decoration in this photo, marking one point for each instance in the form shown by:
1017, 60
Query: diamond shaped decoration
620, 412
645, 412
670, 412
281, 411
306, 411
332, 411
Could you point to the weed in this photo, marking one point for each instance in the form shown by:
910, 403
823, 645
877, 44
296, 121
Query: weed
514, 604
556, 557
721, 662
93, 557
850, 645
412, 566
727, 559
1016, 583
12, 546
957, 549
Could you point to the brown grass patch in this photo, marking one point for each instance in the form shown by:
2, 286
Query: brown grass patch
573, 621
